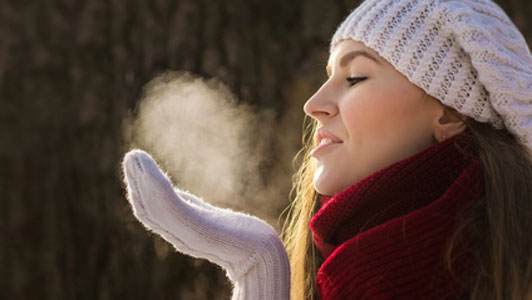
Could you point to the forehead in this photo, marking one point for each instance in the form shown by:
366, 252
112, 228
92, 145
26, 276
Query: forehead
347, 50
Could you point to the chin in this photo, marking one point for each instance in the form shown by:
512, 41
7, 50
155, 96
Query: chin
330, 183
326, 189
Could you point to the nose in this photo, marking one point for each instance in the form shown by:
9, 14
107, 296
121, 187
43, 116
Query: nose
321, 105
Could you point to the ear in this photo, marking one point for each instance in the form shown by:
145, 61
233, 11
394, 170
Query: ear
448, 124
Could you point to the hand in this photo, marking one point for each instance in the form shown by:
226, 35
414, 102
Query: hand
245, 246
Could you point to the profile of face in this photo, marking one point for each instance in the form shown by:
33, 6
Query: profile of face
369, 116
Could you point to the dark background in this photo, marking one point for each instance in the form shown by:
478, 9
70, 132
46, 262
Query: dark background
72, 71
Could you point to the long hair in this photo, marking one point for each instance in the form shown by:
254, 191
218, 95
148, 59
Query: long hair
296, 232
501, 221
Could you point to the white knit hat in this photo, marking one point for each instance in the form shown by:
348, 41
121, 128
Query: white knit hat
466, 53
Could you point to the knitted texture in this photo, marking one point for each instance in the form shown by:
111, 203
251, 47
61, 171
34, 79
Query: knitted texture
466, 53
385, 236
246, 247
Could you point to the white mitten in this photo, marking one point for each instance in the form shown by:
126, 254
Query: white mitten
245, 246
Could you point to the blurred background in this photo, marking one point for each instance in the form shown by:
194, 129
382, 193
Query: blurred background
73, 79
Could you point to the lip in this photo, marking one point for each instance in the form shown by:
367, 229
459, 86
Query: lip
322, 133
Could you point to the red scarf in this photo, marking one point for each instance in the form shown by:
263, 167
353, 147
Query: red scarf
385, 236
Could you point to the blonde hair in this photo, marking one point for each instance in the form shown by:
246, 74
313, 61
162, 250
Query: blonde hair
296, 233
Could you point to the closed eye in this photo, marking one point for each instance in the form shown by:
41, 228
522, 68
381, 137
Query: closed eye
354, 80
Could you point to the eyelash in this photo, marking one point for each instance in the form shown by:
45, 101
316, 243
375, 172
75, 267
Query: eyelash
354, 80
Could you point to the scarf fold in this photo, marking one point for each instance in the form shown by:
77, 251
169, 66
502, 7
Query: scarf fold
385, 236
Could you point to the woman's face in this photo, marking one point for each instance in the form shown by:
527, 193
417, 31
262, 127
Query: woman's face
369, 116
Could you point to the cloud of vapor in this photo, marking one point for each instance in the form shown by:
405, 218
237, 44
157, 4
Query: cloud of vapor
208, 143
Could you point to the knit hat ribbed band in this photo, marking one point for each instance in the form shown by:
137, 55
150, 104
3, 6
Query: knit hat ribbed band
466, 53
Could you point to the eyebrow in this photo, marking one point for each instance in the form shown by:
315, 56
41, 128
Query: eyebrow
352, 55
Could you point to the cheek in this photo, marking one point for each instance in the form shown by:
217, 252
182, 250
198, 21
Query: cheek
386, 105
371, 111
386, 122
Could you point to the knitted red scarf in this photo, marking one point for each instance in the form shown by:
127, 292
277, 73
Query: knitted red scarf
385, 236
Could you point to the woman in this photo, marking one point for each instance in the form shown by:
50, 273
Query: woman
417, 176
